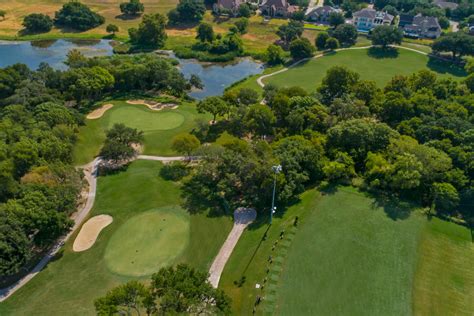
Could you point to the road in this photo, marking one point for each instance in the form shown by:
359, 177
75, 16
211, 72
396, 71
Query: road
313, 4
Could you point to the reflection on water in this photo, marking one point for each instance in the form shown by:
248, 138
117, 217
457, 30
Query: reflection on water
215, 76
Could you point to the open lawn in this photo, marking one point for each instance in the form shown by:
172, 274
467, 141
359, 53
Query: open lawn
69, 284
353, 255
158, 127
380, 67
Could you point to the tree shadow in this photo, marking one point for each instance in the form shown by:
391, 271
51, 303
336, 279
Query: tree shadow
220, 19
395, 207
127, 17
381, 53
443, 66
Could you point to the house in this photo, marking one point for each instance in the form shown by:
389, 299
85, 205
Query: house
321, 14
446, 4
422, 27
405, 19
227, 6
366, 19
277, 8
471, 29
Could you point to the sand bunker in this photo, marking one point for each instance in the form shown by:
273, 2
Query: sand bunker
97, 113
90, 231
155, 106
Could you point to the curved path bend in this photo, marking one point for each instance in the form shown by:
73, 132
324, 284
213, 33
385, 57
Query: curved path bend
261, 78
242, 218
90, 173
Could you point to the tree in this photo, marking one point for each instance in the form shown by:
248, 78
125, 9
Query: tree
291, 31
205, 33
76, 59
332, 43
320, 40
301, 48
134, 7
214, 105
242, 25
14, 245
443, 22
346, 34
87, 83
37, 23
112, 28
3, 13
150, 32
259, 119
118, 145
335, 19
469, 81
446, 197
244, 10
78, 16
275, 55
385, 35
187, 11
185, 143
128, 297
338, 81
247, 96
459, 44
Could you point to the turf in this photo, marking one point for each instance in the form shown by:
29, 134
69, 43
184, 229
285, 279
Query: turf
167, 229
159, 127
377, 66
69, 284
444, 283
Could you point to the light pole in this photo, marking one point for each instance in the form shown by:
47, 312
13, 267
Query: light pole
276, 170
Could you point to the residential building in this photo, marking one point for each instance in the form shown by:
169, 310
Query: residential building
227, 6
422, 27
321, 14
277, 8
405, 19
446, 4
366, 19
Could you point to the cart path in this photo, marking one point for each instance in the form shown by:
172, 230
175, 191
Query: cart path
90, 174
261, 78
242, 218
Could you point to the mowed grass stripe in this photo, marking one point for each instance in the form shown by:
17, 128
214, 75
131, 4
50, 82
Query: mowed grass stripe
377, 67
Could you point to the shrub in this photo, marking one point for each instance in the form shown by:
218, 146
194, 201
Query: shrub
78, 16
37, 23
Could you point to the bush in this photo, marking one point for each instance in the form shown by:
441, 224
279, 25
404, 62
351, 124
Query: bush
274, 55
301, 48
174, 171
332, 43
78, 16
134, 7
37, 23
187, 11
320, 41
346, 34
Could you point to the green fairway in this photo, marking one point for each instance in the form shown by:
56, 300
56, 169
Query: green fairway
159, 127
159, 236
378, 67
69, 284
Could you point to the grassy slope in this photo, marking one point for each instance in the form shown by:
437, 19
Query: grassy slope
380, 69
153, 123
444, 283
71, 283
350, 258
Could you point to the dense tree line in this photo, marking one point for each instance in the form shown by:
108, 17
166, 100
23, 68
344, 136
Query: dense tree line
413, 139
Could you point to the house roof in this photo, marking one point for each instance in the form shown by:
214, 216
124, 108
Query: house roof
405, 19
446, 4
365, 13
229, 4
326, 9
276, 3
426, 21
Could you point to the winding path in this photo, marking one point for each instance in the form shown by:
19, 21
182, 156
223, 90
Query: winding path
242, 218
260, 79
90, 173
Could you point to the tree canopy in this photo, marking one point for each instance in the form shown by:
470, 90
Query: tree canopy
78, 16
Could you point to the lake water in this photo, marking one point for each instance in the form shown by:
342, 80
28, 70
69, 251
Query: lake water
215, 76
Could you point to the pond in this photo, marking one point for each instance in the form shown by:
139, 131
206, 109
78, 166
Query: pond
215, 76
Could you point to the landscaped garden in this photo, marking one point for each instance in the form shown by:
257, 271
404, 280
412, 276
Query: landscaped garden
158, 127
352, 254
149, 230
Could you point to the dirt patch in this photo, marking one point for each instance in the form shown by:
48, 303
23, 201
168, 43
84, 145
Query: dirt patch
90, 231
97, 113
154, 106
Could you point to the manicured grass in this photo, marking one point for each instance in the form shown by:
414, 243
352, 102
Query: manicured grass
378, 67
444, 282
167, 229
350, 258
159, 127
69, 284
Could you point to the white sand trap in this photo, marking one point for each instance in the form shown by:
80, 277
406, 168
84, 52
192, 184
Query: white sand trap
97, 113
90, 231
154, 106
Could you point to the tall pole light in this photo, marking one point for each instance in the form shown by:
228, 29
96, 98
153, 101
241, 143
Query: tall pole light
276, 170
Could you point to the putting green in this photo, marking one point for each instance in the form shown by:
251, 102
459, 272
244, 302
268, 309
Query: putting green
147, 242
144, 119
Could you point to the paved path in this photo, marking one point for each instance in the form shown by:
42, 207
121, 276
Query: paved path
242, 218
261, 78
90, 173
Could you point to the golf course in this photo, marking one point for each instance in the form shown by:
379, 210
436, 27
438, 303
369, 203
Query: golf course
149, 230
158, 128
354, 255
